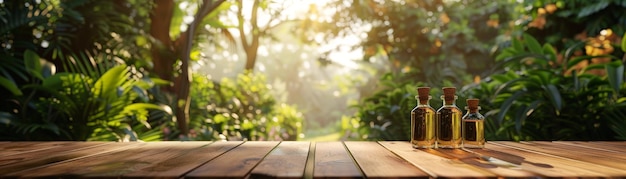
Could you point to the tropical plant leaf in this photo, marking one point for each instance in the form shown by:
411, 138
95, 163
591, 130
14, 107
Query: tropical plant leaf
549, 51
574, 61
517, 45
576, 81
506, 105
9, 85
555, 96
596, 66
570, 51
33, 64
532, 44
615, 75
108, 83
593, 8
624, 43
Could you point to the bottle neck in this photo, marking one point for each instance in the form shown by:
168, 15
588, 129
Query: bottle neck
449, 101
423, 102
472, 110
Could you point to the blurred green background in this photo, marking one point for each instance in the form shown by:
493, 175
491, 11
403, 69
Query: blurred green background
135, 70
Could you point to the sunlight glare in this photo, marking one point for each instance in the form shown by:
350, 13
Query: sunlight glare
306, 65
183, 5
304, 56
188, 19
44, 44
263, 51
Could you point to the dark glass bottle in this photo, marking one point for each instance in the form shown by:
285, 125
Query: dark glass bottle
473, 126
423, 121
449, 121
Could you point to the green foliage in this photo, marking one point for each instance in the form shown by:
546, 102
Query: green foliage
243, 109
574, 17
85, 105
386, 114
93, 96
441, 41
428, 43
535, 99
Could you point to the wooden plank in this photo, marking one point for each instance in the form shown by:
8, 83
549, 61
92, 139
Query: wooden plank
285, 161
33, 159
377, 162
434, 165
184, 161
12, 148
113, 165
490, 164
548, 165
604, 146
237, 163
333, 161
310, 162
598, 157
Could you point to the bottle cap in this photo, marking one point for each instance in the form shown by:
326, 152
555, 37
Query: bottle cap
423, 93
448, 93
472, 103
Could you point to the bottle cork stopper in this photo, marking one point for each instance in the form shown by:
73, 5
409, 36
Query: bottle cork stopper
472, 103
448, 93
423, 92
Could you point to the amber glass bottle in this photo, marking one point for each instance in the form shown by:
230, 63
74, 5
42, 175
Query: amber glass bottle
473, 126
423, 121
449, 121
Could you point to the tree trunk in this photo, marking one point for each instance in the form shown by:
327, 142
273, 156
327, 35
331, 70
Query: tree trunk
167, 51
251, 54
251, 48
164, 56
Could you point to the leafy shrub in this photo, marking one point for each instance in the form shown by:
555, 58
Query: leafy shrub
100, 103
538, 97
386, 114
425, 43
243, 109
70, 93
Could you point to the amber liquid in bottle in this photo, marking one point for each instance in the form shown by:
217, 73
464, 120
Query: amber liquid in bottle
423, 121
473, 126
449, 118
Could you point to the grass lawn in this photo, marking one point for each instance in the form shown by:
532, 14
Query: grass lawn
321, 135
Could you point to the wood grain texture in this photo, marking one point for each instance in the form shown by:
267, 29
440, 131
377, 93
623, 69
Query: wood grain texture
12, 148
435, 166
603, 146
115, 164
377, 162
598, 157
288, 160
333, 161
256, 159
483, 162
236, 163
549, 165
184, 159
37, 158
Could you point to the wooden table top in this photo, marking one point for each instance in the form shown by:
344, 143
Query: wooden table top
289, 159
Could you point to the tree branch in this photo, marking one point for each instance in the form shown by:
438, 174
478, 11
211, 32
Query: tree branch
255, 26
240, 20
207, 7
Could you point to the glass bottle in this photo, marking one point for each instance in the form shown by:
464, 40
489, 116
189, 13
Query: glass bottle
423, 121
449, 121
473, 126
